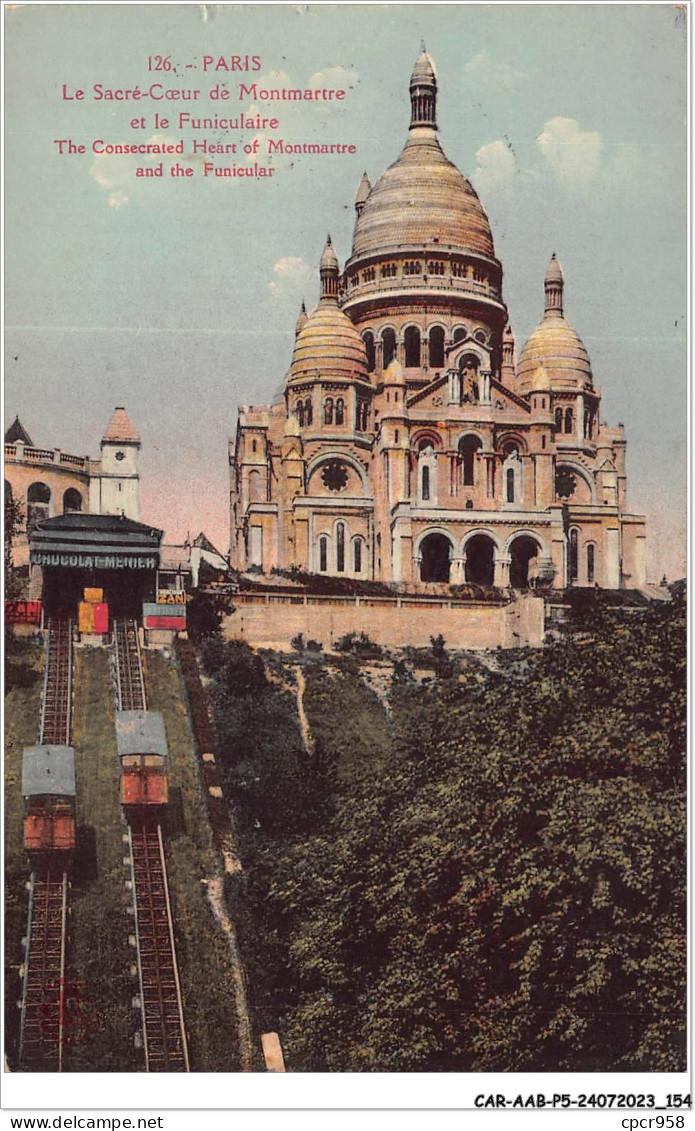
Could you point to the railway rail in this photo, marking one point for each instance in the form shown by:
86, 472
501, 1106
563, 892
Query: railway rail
43, 996
129, 675
163, 1028
43, 1000
56, 704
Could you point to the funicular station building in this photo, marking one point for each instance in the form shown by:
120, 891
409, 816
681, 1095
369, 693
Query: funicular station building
411, 444
82, 533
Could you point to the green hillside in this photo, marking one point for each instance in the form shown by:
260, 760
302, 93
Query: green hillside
490, 879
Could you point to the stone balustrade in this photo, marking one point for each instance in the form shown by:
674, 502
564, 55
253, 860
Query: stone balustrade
23, 453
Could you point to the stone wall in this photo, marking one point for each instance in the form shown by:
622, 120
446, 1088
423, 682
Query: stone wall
270, 620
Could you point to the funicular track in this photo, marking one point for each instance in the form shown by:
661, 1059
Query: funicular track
164, 1034
43, 997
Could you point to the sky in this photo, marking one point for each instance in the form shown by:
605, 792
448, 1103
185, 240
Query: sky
178, 297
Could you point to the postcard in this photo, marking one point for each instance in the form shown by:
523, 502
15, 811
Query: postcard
345, 557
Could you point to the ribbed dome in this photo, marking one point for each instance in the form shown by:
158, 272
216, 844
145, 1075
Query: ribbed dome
420, 198
328, 344
556, 354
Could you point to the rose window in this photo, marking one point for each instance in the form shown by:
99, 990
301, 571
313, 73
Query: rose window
565, 483
334, 475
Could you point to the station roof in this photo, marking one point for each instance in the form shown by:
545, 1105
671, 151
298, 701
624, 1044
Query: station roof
98, 541
140, 732
48, 770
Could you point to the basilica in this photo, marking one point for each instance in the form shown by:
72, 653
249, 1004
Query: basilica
411, 445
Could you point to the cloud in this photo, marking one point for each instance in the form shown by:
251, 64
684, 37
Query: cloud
290, 276
117, 199
483, 70
571, 153
495, 168
336, 78
113, 174
274, 80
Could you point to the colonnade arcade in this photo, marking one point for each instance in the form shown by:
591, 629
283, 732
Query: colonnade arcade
481, 558
415, 348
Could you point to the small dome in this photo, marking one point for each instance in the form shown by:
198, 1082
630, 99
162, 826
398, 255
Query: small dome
301, 321
556, 355
328, 344
554, 347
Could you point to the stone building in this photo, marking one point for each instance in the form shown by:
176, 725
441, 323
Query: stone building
48, 482
411, 445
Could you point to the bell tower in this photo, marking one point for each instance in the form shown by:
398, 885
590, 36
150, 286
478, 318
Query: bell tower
119, 479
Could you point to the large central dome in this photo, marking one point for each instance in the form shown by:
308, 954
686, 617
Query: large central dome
422, 198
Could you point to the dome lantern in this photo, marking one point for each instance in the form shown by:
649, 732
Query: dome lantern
423, 93
554, 287
329, 271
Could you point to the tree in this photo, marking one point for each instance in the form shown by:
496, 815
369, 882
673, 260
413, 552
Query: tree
205, 613
14, 518
496, 878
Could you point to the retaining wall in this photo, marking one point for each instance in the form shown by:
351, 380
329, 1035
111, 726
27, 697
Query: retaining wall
268, 619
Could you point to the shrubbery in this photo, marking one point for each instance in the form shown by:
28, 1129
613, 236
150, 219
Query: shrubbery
492, 880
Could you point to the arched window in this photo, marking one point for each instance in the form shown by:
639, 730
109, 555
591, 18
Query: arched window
340, 411
8, 491
323, 554
357, 556
388, 341
573, 562
436, 347
468, 446
38, 501
340, 547
368, 340
411, 340
308, 410
569, 421
459, 333
299, 413
558, 420
254, 445
425, 484
364, 416
510, 484
72, 501
590, 563
328, 410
